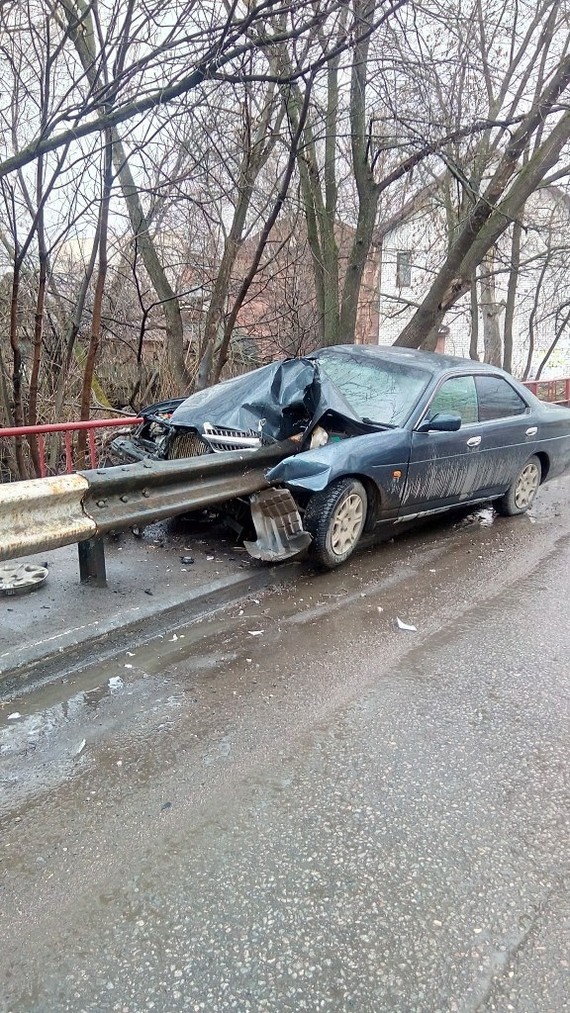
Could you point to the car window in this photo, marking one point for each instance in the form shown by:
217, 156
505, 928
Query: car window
497, 399
385, 392
457, 394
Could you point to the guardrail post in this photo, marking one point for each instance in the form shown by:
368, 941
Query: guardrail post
92, 562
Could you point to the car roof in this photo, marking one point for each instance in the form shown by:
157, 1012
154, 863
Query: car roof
434, 362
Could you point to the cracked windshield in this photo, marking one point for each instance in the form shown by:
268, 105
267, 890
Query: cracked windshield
383, 392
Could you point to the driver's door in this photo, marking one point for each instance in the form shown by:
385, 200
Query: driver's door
445, 467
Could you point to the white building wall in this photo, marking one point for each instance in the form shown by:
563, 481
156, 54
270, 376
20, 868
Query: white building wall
424, 238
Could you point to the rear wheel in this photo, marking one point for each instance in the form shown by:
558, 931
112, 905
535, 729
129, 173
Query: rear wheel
335, 518
522, 492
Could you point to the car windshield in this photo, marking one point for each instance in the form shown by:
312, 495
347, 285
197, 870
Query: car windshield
383, 392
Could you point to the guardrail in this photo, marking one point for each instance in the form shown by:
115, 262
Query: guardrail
68, 429
554, 391
46, 513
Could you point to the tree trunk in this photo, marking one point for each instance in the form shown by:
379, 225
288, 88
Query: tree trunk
17, 368
368, 192
491, 311
511, 296
97, 316
38, 321
474, 339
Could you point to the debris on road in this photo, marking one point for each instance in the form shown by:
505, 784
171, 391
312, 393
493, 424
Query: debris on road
115, 682
406, 626
14, 716
19, 578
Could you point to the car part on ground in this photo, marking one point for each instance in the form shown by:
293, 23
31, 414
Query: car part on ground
19, 578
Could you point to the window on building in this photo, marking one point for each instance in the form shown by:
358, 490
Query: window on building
403, 268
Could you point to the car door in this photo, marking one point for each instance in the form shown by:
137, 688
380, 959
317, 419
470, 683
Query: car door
509, 435
445, 467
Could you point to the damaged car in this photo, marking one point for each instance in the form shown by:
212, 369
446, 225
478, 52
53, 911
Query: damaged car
371, 435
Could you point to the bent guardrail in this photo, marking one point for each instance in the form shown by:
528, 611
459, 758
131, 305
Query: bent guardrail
46, 513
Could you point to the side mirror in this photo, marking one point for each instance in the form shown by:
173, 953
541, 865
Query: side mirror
443, 422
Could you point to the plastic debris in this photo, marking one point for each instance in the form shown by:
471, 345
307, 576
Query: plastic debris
406, 626
485, 517
187, 559
173, 638
80, 747
115, 682
14, 716
379, 607
128, 666
256, 633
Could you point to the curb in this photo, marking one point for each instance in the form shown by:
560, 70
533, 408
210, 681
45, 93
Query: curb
72, 654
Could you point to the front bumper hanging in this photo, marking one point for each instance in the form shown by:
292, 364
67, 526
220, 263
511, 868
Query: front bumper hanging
278, 526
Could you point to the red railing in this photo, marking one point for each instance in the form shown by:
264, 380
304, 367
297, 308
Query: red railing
68, 429
556, 391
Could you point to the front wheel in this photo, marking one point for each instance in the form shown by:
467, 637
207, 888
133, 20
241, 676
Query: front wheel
520, 497
335, 518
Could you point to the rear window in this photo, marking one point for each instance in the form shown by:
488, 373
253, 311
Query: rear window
497, 399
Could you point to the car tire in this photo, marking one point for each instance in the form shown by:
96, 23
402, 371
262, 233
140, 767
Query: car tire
335, 518
523, 490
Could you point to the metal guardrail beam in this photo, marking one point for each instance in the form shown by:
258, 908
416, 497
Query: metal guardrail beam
43, 514
151, 490
47, 513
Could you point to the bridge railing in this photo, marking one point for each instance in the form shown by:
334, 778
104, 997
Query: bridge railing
66, 463
555, 391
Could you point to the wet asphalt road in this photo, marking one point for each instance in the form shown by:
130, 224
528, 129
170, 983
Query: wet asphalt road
296, 805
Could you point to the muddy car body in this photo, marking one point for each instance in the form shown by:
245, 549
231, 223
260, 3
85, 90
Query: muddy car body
380, 435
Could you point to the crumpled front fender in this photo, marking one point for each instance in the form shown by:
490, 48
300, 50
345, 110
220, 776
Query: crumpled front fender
303, 472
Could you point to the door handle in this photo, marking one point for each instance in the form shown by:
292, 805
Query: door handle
474, 441
532, 431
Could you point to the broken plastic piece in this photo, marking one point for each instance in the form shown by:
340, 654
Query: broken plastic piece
406, 626
278, 526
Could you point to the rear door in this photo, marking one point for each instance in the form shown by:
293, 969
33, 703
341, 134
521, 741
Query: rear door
509, 435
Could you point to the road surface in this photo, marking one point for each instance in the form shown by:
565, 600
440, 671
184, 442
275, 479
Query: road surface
296, 804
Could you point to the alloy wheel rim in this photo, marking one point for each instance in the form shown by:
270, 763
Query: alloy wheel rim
347, 524
526, 486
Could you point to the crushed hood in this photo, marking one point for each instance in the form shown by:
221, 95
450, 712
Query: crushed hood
280, 399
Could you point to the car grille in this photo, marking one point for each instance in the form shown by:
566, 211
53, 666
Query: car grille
231, 439
186, 445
